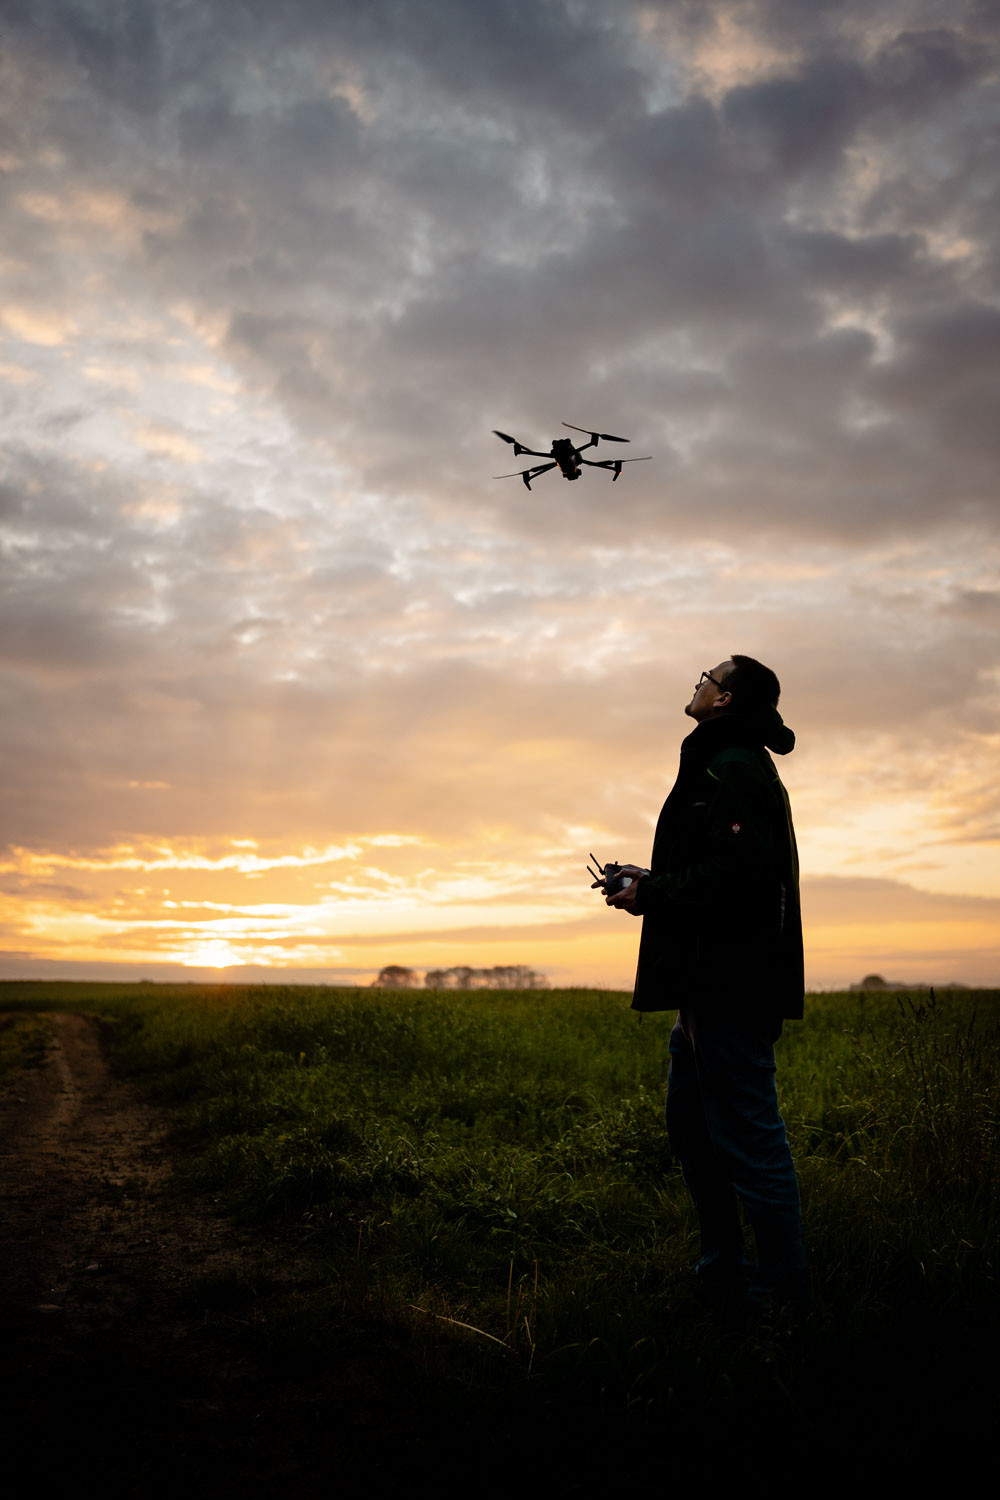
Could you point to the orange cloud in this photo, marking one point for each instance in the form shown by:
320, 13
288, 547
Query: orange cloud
169, 443
48, 326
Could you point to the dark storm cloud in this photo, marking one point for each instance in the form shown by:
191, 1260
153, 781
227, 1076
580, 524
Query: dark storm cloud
947, 373
498, 205
803, 123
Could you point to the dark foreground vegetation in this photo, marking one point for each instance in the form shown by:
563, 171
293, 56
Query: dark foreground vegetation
482, 1185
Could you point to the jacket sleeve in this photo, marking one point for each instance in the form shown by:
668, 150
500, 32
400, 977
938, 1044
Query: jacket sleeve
738, 858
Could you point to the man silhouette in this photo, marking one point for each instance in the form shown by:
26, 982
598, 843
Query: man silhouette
722, 942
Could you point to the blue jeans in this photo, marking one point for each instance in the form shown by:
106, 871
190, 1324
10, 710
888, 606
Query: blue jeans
723, 1124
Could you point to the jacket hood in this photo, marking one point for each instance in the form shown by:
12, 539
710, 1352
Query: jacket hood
774, 732
763, 726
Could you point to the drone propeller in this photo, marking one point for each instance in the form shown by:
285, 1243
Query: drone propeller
612, 463
606, 437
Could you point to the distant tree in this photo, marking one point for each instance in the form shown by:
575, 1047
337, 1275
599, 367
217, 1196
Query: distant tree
448, 979
395, 977
516, 977
500, 977
458, 978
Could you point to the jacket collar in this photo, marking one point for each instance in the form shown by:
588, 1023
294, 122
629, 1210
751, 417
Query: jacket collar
752, 731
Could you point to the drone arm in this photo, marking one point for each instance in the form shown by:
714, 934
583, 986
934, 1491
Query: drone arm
530, 474
519, 448
527, 475
614, 463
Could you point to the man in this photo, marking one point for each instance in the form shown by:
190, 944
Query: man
722, 941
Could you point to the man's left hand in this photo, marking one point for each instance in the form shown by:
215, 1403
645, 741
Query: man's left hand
625, 900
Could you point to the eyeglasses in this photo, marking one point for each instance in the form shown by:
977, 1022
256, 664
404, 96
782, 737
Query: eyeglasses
707, 677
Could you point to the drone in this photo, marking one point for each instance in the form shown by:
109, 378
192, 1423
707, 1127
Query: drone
566, 457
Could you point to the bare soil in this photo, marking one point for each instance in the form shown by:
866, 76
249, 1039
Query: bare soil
119, 1369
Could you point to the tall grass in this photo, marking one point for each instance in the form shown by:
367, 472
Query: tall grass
492, 1168
24, 1040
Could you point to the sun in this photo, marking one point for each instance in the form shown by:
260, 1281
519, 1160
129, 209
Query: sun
215, 954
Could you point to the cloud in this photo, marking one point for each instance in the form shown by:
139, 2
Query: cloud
18, 375
834, 900
271, 276
38, 325
173, 444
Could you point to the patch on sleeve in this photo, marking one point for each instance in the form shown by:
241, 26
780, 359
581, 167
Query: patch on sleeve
736, 828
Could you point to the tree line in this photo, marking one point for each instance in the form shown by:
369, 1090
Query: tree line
462, 977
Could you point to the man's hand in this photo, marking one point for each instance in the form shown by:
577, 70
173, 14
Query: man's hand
625, 900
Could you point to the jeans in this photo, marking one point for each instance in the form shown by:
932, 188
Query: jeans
723, 1124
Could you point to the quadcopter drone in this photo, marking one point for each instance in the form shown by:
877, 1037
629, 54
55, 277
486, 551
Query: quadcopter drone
566, 457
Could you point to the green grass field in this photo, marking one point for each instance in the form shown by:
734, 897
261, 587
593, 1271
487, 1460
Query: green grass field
484, 1178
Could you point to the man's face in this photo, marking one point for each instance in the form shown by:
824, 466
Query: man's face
707, 694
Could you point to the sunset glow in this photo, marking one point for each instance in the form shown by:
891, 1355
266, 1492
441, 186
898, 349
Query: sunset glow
291, 684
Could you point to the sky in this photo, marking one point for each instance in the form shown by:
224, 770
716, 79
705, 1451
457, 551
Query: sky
292, 686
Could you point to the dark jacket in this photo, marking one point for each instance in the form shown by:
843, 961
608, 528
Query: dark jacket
721, 917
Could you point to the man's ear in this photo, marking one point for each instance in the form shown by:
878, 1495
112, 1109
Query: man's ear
723, 700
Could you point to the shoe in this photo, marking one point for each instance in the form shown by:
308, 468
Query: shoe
779, 1310
721, 1287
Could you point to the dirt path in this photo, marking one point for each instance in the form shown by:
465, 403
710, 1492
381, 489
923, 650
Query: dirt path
83, 1170
126, 1371
111, 1371
79, 1157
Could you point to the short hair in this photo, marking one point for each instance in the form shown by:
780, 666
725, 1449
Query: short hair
751, 683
